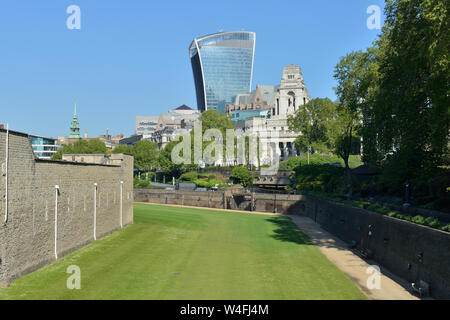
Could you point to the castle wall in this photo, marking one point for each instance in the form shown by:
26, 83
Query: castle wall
27, 239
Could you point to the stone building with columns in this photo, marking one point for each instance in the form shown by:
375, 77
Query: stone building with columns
273, 129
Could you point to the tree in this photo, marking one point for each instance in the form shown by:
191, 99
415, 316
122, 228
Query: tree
166, 164
242, 175
93, 146
353, 74
410, 112
212, 119
406, 116
145, 155
123, 148
310, 121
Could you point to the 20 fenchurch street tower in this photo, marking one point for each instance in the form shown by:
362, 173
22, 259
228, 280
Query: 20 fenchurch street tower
222, 64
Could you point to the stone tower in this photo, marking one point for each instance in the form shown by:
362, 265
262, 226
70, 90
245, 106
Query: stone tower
75, 126
292, 91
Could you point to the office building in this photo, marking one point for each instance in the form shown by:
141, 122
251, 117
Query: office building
222, 65
43, 148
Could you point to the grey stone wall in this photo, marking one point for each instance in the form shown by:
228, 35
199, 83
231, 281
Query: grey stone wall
27, 239
207, 199
409, 250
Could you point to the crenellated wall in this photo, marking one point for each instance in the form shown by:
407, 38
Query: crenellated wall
27, 239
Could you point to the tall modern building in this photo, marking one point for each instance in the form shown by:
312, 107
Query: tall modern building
222, 64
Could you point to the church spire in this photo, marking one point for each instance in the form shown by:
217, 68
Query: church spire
75, 126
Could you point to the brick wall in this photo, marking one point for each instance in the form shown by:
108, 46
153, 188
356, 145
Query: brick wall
27, 239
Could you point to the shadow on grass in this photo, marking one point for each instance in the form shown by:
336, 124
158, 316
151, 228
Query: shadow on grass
287, 231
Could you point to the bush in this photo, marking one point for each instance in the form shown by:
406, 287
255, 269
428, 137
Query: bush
432, 222
144, 184
419, 220
323, 178
189, 176
317, 159
202, 184
242, 175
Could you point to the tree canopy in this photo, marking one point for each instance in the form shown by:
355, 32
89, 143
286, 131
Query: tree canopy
93, 146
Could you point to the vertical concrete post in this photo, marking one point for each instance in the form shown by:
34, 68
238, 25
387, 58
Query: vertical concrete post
56, 221
6, 172
121, 205
95, 211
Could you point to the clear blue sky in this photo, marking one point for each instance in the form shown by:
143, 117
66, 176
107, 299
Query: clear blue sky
131, 57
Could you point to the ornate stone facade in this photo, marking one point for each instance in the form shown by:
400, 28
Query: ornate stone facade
273, 131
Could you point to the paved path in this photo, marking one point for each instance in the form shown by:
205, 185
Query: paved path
353, 266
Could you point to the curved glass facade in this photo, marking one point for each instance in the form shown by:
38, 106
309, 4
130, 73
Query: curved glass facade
222, 64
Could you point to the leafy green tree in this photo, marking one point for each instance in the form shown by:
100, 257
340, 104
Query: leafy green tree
242, 175
145, 155
123, 148
96, 146
310, 122
354, 74
400, 86
93, 146
212, 119
166, 164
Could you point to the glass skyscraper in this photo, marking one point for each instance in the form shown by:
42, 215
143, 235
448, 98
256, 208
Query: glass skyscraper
222, 64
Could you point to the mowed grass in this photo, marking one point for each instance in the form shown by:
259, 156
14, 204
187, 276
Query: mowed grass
186, 253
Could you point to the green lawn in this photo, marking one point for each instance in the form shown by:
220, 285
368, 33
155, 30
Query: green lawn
183, 253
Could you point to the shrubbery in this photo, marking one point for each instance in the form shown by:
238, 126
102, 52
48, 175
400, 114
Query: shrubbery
189, 176
429, 221
322, 178
202, 180
242, 175
209, 184
302, 160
